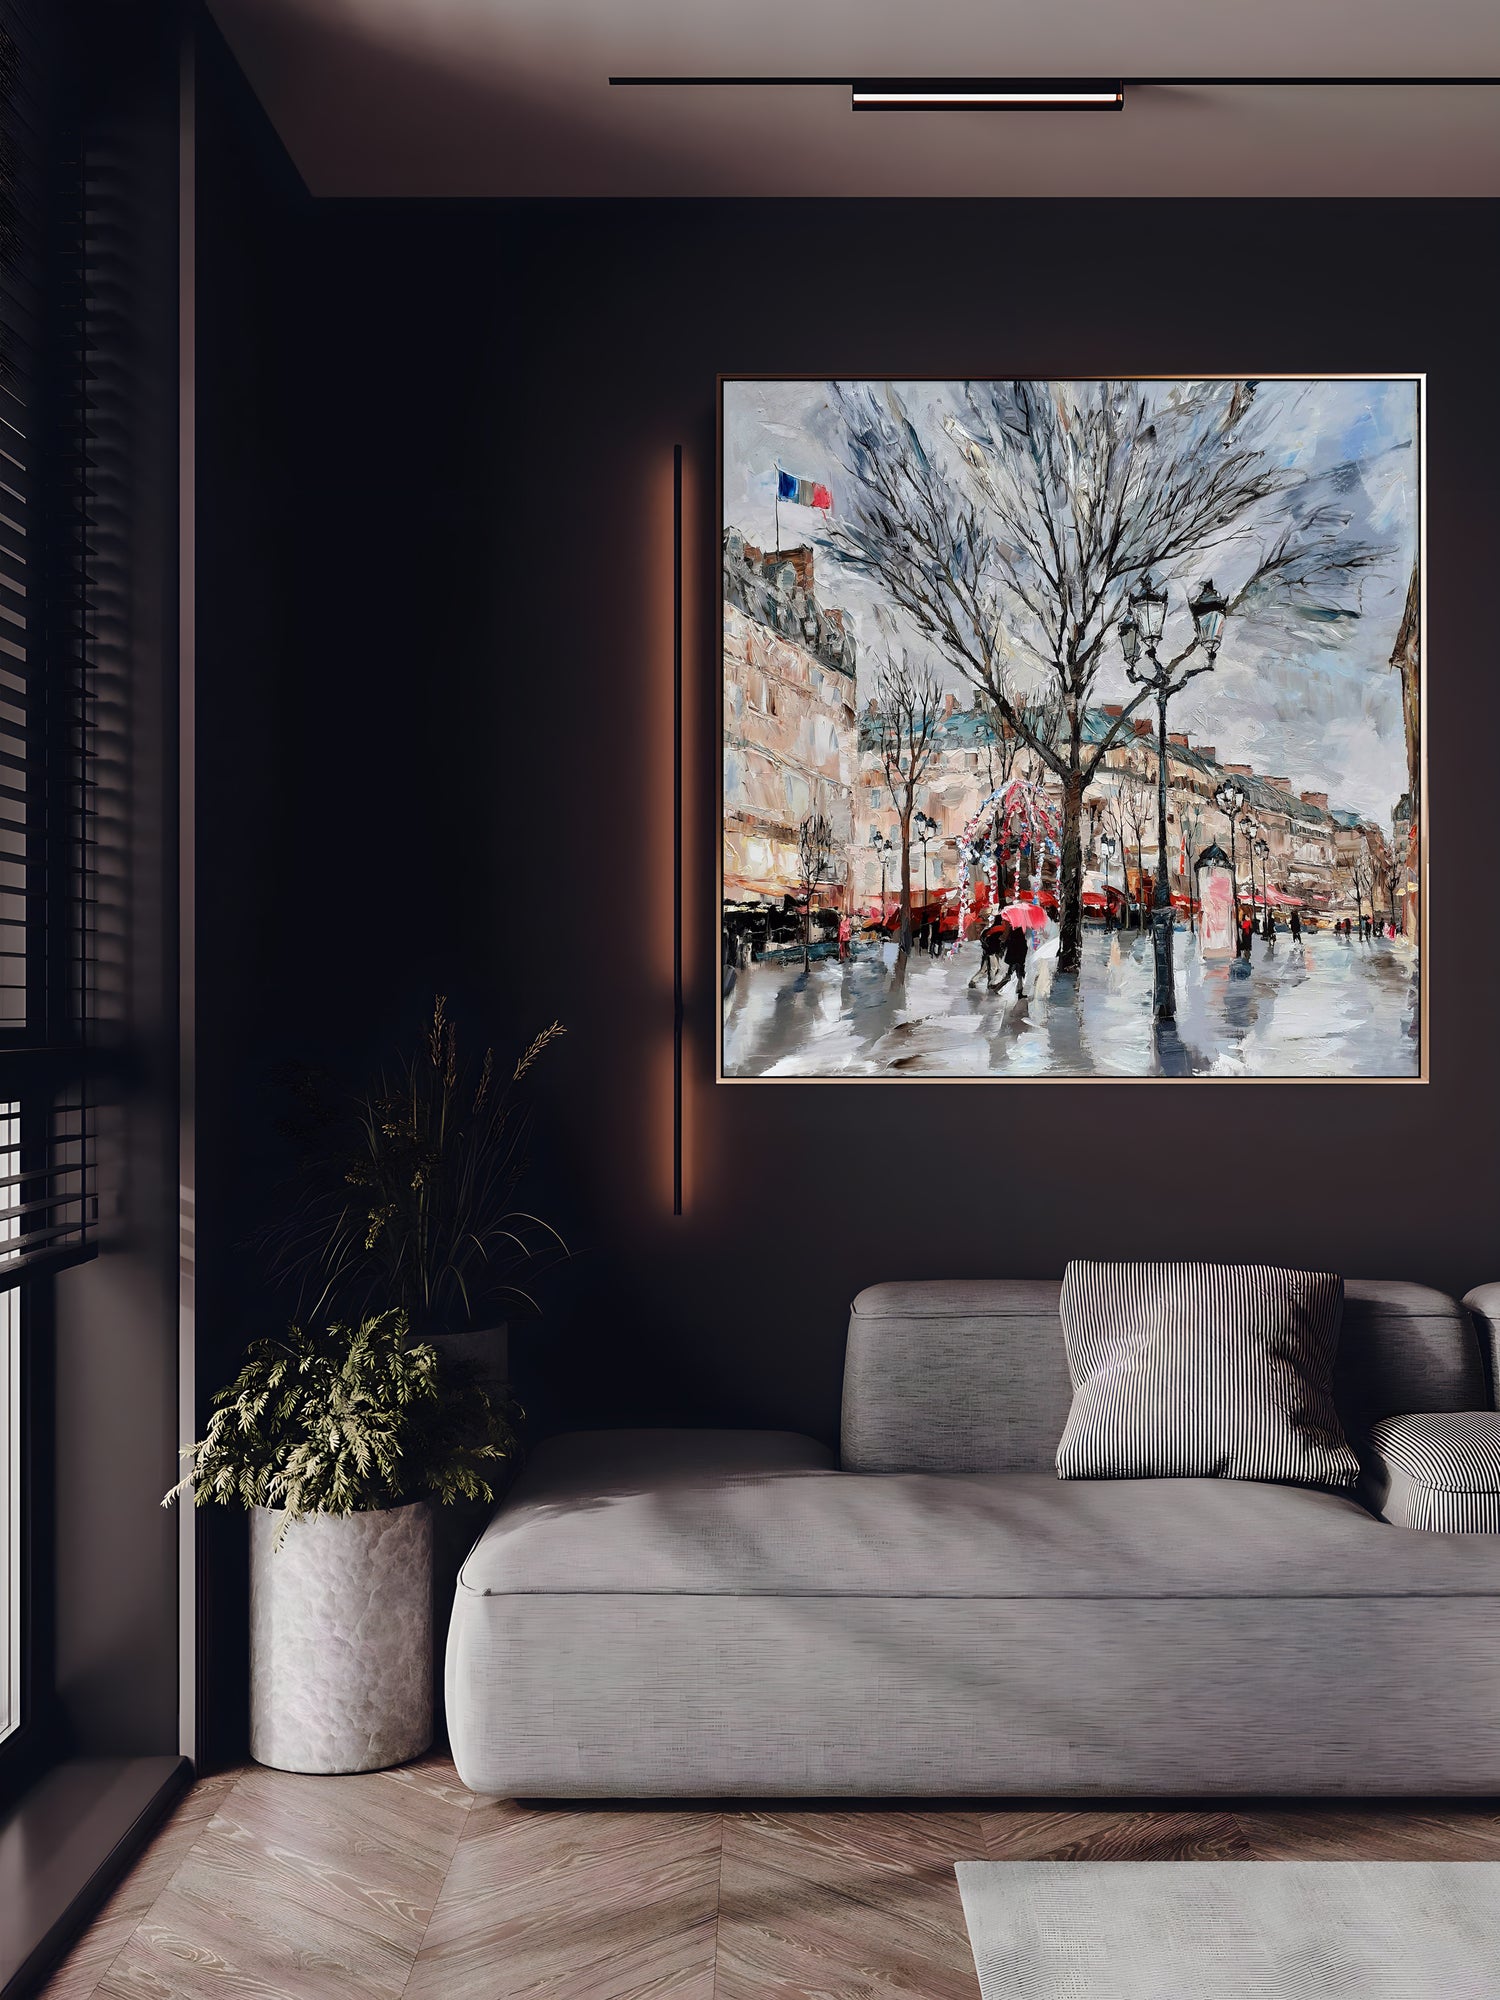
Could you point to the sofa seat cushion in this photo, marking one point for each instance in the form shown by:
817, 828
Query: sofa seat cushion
732, 1513
1439, 1471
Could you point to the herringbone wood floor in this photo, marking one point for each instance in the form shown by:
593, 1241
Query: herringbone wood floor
404, 1886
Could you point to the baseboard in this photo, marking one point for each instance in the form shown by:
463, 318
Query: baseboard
65, 1845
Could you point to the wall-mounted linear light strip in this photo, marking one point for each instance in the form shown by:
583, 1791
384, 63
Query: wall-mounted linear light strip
677, 981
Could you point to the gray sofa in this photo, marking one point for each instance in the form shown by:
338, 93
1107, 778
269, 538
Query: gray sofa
933, 1612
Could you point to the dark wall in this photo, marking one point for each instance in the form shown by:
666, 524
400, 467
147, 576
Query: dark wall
434, 748
449, 767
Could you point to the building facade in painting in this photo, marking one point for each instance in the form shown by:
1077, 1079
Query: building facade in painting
1406, 659
789, 726
1314, 847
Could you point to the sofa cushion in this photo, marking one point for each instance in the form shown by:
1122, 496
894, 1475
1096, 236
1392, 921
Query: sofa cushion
761, 1514
1439, 1471
1202, 1370
955, 1375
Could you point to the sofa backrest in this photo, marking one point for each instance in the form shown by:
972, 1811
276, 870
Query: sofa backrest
969, 1375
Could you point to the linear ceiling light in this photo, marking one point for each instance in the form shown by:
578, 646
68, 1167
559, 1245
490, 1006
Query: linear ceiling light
985, 94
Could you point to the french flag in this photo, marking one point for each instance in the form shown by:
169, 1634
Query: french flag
803, 492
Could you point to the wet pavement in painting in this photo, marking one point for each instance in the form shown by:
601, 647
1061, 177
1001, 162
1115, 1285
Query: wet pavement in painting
1324, 1008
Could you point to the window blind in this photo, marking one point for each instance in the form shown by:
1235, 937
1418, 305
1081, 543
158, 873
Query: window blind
48, 848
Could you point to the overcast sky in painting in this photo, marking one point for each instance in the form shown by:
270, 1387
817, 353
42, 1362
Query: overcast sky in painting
1327, 717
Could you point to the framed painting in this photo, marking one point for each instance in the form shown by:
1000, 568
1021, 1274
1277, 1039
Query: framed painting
1072, 730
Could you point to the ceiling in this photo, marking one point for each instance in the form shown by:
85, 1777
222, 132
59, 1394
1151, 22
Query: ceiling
509, 97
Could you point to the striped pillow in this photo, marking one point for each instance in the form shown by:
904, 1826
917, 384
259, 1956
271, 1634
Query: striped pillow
1194, 1371
1440, 1470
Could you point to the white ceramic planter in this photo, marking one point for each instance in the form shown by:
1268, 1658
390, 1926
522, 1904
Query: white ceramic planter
341, 1639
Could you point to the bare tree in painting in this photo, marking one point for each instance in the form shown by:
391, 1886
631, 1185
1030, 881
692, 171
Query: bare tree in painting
814, 860
1112, 822
1014, 754
1014, 540
1002, 745
1029, 717
907, 702
1135, 802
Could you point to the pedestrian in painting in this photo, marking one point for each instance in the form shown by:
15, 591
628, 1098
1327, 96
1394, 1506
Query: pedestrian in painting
1296, 927
1270, 928
991, 952
846, 931
1015, 958
1247, 932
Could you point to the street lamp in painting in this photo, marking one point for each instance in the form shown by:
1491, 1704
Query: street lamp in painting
1140, 633
1231, 798
884, 848
1248, 831
926, 829
1107, 854
1263, 850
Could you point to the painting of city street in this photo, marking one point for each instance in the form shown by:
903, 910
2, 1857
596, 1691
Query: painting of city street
1072, 730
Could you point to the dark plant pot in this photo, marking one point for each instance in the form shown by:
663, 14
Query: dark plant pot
488, 1348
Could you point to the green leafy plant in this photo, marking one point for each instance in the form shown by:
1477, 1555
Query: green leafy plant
406, 1194
346, 1419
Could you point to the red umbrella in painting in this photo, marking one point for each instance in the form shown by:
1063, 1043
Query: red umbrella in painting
1025, 916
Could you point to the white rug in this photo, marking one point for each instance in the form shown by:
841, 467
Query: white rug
1234, 1930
